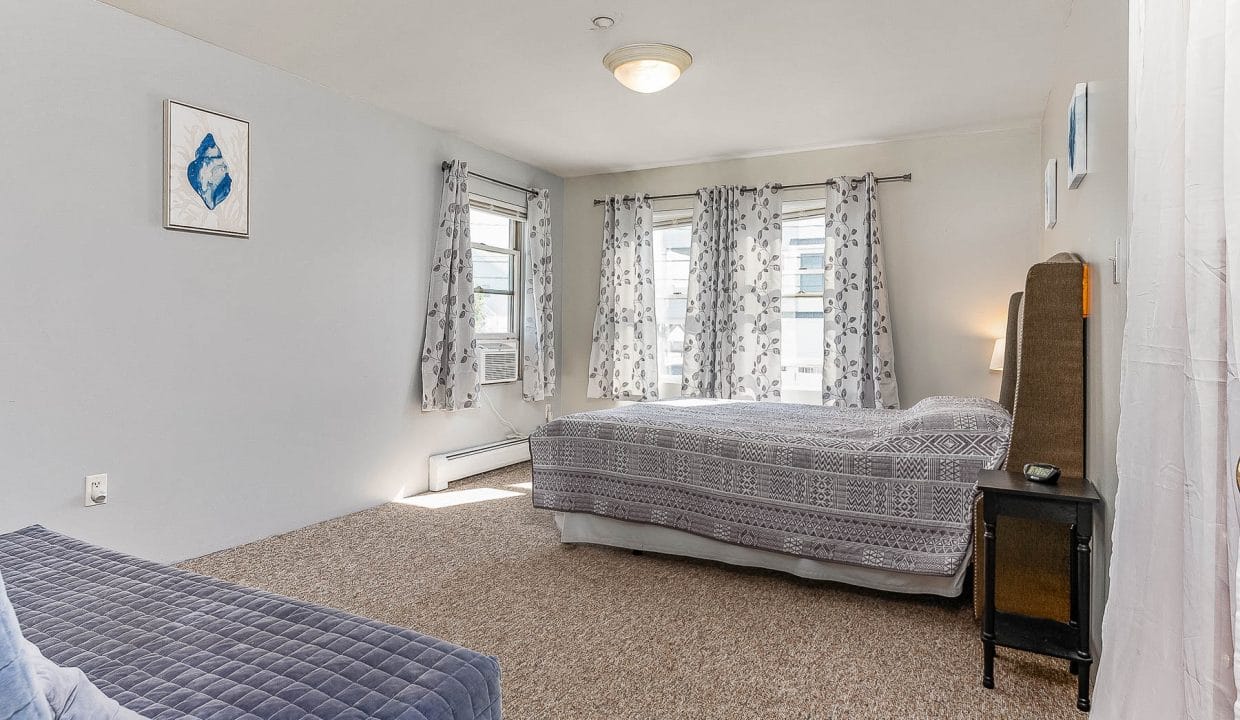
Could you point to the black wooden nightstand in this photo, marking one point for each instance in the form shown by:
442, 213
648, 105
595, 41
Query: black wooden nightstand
1071, 502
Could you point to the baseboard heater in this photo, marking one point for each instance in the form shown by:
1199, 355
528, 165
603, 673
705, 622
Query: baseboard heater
446, 467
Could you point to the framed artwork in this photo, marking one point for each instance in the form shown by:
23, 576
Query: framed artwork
1078, 135
1049, 190
206, 171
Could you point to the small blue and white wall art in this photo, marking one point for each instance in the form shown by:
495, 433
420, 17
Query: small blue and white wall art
206, 171
1078, 135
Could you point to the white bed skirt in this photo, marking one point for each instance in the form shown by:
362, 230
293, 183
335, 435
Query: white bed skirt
587, 528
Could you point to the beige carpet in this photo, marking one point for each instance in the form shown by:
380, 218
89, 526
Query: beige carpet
593, 632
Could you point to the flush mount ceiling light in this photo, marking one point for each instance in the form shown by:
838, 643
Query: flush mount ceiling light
647, 67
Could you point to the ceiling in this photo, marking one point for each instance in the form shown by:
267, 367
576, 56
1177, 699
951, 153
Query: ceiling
526, 78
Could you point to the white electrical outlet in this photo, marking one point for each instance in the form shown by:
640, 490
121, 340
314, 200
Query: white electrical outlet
96, 490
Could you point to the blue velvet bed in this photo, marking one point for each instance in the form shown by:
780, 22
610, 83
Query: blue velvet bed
171, 644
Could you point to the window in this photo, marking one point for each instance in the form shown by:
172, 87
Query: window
671, 291
802, 316
807, 283
804, 252
495, 230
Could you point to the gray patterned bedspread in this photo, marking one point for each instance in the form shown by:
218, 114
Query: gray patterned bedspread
890, 489
171, 644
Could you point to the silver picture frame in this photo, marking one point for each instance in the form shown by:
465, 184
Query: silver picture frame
1078, 135
220, 203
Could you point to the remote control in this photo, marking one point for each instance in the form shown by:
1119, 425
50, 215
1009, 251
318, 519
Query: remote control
1041, 473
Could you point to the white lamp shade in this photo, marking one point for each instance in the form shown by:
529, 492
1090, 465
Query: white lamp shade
647, 67
996, 357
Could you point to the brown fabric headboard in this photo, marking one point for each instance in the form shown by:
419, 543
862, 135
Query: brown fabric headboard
1044, 389
1048, 403
1007, 391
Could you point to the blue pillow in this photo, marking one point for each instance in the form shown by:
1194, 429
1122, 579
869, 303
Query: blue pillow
20, 697
70, 694
35, 688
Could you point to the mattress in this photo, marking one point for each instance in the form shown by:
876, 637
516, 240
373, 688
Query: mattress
171, 644
885, 489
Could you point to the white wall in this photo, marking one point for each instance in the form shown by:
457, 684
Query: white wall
959, 240
1095, 50
231, 388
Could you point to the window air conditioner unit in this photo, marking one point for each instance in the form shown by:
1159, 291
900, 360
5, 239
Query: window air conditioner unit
498, 361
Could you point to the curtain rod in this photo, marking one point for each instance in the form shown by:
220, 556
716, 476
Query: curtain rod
906, 177
480, 176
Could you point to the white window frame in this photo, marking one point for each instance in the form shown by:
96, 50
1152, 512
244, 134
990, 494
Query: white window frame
667, 218
518, 217
807, 214
672, 216
810, 213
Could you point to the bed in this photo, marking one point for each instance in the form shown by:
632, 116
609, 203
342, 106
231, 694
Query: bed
877, 498
171, 644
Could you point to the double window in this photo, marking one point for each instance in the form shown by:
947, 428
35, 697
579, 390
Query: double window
803, 259
495, 230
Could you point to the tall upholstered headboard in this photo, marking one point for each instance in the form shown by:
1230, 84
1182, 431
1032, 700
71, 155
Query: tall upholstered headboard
1048, 394
1044, 389
1007, 392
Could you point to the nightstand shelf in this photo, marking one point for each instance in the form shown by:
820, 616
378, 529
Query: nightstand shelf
1071, 501
1038, 635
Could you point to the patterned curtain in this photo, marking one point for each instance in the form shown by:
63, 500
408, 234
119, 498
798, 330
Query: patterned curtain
622, 358
858, 368
538, 355
449, 351
732, 325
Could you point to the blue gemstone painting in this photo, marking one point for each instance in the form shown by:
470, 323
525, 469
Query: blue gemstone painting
1078, 135
208, 173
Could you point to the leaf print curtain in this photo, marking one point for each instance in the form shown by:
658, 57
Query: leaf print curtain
622, 356
538, 353
732, 325
449, 351
858, 365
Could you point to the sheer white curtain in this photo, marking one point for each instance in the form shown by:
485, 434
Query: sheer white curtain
732, 325
538, 341
1169, 633
623, 365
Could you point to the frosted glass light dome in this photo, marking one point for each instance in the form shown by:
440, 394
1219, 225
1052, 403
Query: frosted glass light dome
647, 67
